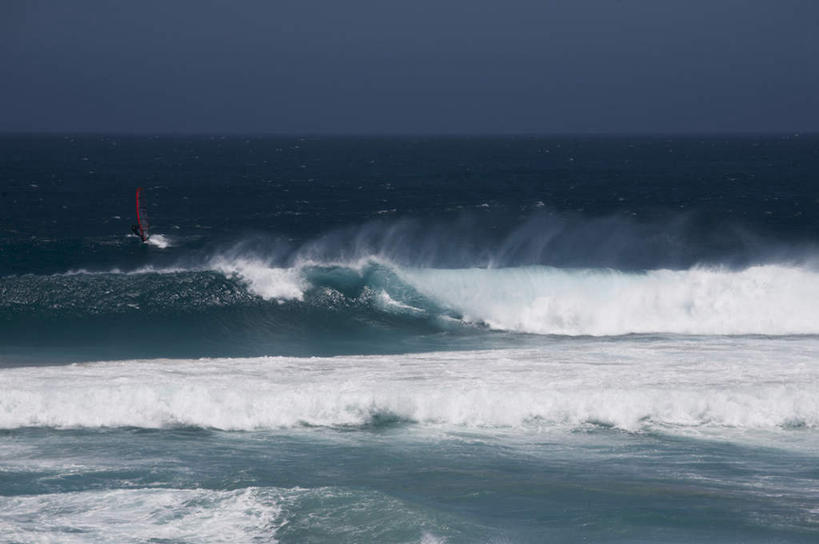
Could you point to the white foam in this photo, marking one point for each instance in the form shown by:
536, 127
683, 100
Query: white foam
148, 269
387, 302
269, 282
141, 515
769, 299
255, 514
736, 383
159, 240
759, 300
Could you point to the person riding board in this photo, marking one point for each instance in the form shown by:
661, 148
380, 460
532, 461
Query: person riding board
136, 230
142, 226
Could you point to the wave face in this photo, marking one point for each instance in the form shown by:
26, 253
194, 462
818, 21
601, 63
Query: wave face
409, 339
634, 385
241, 308
246, 307
342, 246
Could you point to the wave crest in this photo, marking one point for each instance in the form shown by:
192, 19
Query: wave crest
767, 299
770, 299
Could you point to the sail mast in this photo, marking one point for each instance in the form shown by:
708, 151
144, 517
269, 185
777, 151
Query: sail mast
142, 216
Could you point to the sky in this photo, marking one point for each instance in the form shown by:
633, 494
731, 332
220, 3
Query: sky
409, 67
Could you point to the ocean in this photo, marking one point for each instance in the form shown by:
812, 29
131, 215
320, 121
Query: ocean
409, 339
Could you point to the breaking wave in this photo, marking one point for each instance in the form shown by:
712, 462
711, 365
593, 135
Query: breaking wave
769, 299
254, 299
631, 385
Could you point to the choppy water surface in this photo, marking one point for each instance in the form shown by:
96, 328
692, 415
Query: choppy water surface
409, 340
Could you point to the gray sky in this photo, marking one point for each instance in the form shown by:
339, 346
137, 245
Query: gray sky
419, 66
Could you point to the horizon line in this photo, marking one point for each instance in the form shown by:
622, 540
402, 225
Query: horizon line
352, 134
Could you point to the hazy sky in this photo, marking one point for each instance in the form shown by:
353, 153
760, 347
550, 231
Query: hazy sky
419, 66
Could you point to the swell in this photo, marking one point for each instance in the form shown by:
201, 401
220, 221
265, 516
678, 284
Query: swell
255, 307
249, 310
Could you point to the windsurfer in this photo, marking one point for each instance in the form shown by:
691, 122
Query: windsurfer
135, 229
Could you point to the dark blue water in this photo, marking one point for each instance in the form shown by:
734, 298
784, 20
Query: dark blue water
409, 339
621, 202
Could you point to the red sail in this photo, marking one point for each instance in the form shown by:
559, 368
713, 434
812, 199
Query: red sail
142, 215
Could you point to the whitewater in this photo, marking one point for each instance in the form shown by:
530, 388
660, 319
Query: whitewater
771, 299
767, 299
636, 385
409, 340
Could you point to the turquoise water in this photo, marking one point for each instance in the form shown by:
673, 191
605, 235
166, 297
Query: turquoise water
409, 340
